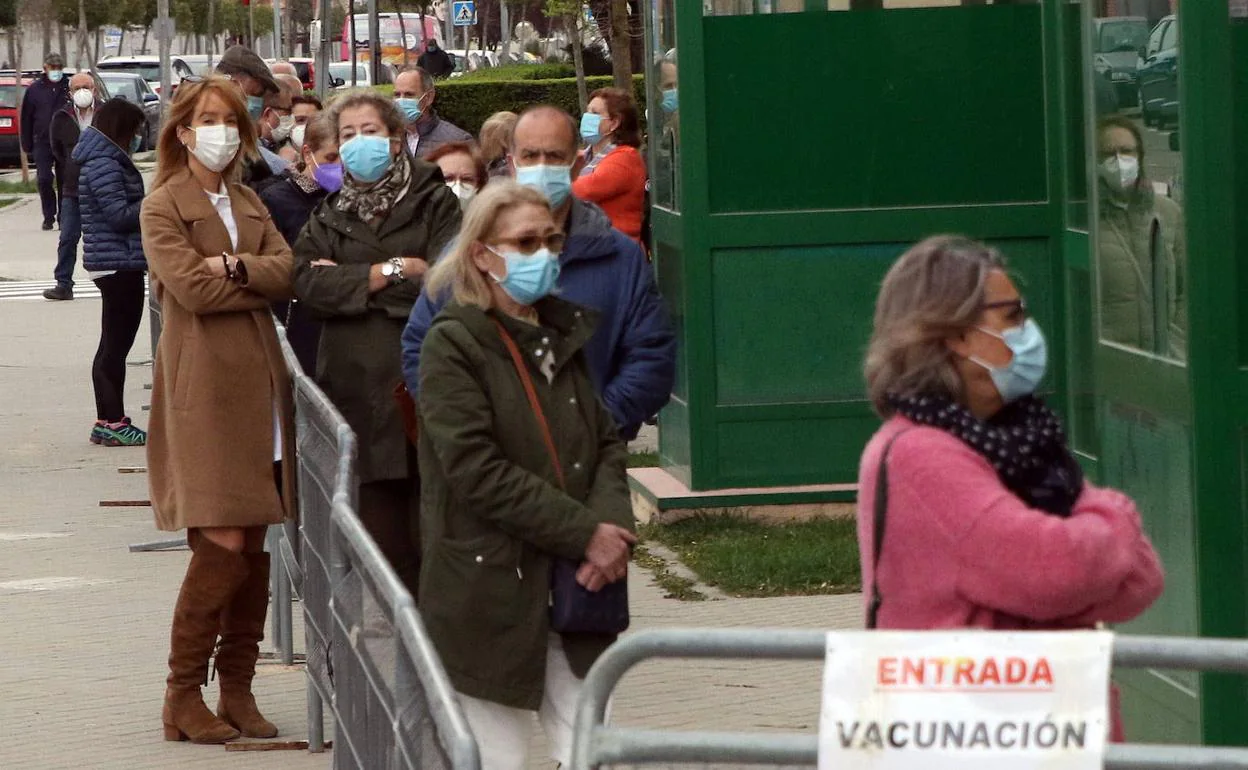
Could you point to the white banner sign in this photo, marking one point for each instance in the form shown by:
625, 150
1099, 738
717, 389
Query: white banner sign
965, 700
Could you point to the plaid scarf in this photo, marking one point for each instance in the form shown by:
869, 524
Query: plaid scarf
369, 202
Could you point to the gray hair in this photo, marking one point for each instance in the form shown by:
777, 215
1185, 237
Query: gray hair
361, 97
935, 291
427, 82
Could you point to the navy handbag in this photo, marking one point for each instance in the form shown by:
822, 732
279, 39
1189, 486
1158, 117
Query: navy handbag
574, 609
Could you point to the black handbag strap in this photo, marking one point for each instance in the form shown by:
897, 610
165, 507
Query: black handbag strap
881, 515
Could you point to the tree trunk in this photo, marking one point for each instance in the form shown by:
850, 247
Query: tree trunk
84, 40
578, 58
99, 41
46, 23
289, 48
121, 41
621, 50
211, 24
147, 31
63, 47
398, 7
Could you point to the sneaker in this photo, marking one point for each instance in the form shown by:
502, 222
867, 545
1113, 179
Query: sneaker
97, 432
122, 434
47, 224
58, 292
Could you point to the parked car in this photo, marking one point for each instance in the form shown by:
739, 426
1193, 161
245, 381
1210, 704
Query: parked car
1159, 75
340, 74
471, 61
10, 143
1116, 43
148, 67
200, 64
136, 90
305, 69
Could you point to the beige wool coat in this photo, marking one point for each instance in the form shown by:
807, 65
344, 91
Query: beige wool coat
218, 369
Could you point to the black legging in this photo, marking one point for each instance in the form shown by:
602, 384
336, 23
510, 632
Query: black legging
119, 323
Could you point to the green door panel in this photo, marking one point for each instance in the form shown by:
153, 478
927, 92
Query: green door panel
929, 107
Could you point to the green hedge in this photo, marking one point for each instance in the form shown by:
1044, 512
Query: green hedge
521, 72
467, 103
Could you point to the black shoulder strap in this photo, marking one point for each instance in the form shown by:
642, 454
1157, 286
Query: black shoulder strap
881, 511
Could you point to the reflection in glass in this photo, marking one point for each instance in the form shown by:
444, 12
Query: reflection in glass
751, 7
1140, 247
663, 114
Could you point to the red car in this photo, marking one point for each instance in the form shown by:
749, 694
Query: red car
10, 141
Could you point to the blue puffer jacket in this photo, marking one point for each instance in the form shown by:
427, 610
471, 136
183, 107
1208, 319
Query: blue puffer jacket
110, 194
632, 355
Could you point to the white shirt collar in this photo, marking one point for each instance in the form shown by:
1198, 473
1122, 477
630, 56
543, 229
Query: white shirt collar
217, 196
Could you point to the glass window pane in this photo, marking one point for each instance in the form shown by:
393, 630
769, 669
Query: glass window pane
1139, 237
663, 110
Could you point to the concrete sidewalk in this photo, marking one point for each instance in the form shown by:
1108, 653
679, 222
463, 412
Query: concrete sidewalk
85, 629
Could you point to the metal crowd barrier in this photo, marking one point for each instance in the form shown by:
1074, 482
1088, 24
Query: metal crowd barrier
368, 656
597, 744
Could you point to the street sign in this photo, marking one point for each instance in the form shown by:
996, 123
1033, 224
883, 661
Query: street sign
464, 12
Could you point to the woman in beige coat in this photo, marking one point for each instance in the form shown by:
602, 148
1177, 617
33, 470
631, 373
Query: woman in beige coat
221, 406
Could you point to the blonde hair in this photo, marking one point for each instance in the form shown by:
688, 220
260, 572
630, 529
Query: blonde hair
172, 155
456, 271
933, 292
495, 135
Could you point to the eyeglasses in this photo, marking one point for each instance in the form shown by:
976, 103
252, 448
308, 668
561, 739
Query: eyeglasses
529, 244
1017, 308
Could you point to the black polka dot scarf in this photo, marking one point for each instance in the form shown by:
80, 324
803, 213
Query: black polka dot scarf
1024, 442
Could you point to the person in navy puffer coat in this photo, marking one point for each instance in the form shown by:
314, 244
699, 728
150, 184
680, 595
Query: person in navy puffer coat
110, 194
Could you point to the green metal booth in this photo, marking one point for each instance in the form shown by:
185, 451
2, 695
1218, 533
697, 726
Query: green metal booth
798, 146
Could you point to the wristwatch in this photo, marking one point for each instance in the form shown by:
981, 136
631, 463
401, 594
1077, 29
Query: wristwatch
393, 269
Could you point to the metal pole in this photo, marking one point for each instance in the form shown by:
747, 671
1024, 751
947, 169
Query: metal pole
448, 24
277, 29
163, 40
374, 43
322, 51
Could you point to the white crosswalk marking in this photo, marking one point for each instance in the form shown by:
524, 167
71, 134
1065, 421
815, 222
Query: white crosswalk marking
34, 289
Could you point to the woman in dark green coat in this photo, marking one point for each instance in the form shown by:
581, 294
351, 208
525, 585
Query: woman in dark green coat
359, 266
495, 513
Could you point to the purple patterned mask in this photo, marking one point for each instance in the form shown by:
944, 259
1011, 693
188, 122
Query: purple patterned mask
328, 176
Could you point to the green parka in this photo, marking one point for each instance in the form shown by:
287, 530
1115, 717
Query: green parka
358, 359
1141, 257
492, 514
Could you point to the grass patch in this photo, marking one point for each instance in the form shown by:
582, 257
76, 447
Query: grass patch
643, 459
18, 188
673, 585
7, 202
748, 558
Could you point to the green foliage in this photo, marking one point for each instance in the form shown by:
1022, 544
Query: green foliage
469, 103
8, 13
99, 13
521, 72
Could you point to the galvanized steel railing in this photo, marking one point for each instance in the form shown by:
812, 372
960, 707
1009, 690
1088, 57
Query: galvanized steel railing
598, 744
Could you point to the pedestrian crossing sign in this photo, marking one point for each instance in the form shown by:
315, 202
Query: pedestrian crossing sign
464, 12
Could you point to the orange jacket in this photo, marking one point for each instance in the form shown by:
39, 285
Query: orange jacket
618, 187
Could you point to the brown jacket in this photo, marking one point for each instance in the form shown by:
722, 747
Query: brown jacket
218, 365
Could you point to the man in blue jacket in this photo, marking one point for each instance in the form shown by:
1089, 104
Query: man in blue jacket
632, 355
43, 99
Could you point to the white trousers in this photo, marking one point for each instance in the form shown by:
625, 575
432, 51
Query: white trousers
503, 732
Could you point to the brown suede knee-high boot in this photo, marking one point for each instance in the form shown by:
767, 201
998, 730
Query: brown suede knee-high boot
213, 577
242, 628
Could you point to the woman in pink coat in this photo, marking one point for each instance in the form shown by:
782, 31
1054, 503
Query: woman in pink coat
987, 521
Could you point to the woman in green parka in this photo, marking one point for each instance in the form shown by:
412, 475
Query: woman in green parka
1140, 249
359, 263
494, 511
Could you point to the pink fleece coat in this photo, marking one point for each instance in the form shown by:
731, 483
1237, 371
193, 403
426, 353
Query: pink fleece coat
962, 551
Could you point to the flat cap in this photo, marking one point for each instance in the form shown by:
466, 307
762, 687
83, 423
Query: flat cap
241, 60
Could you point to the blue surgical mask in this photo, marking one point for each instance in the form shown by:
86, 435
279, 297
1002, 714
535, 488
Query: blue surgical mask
55, 75
135, 143
255, 106
529, 276
411, 108
555, 182
1022, 375
591, 127
670, 102
366, 158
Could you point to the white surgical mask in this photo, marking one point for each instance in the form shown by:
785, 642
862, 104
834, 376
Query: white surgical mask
1120, 172
464, 191
285, 124
297, 134
84, 98
215, 146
